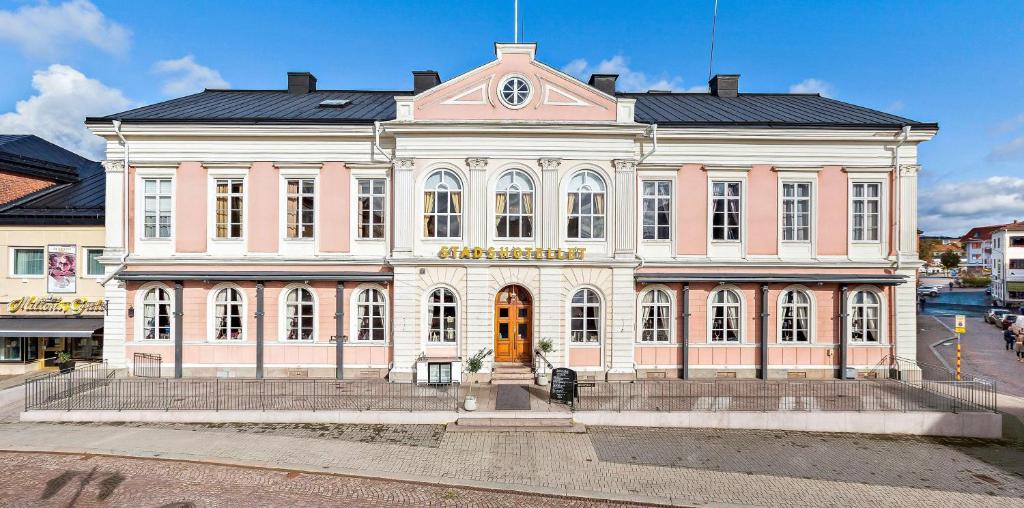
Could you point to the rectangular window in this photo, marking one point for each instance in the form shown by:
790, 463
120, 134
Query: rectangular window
28, 262
656, 209
10, 349
439, 373
301, 207
93, 267
866, 211
796, 212
156, 202
1017, 241
1017, 264
229, 208
370, 215
725, 211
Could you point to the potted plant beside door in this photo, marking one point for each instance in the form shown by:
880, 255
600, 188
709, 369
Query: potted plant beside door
545, 346
473, 366
64, 362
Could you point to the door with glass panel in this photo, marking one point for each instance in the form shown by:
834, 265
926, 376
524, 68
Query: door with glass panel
513, 325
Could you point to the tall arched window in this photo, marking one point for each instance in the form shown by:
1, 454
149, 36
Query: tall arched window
586, 205
442, 205
370, 315
655, 309
865, 312
227, 314
443, 313
725, 316
796, 316
513, 203
299, 314
156, 315
585, 317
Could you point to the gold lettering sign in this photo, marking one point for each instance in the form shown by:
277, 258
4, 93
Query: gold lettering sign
455, 252
56, 304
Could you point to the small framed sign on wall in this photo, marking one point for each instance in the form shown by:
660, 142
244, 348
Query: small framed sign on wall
61, 268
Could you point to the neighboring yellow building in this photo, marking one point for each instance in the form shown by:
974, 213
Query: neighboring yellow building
51, 236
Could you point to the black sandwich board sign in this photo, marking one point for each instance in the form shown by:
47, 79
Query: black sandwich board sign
563, 387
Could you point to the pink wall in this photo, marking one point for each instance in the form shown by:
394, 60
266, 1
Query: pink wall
584, 357
190, 208
692, 228
762, 218
264, 199
335, 203
832, 219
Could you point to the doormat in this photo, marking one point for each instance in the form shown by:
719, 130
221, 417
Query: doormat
512, 397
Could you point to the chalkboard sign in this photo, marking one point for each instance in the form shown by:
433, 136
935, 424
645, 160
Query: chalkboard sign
563, 386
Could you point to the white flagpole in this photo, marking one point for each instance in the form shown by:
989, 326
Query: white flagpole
515, 23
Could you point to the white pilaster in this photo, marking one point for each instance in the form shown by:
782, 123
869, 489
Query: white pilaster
478, 308
906, 315
115, 322
552, 202
115, 205
405, 322
625, 208
478, 216
405, 209
623, 323
548, 311
908, 212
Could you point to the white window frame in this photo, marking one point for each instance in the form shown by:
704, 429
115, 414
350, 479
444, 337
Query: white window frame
85, 258
244, 223
11, 264
460, 216
881, 210
354, 328
741, 331
605, 226
656, 197
141, 217
427, 315
211, 314
796, 200
532, 217
282, 320
740, 200
529, 90
140, 314
357, 215
600, 319
811, 316
299, 224
670, 331
882, 317
727, 249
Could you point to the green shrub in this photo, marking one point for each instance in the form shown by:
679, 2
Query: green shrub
976, 282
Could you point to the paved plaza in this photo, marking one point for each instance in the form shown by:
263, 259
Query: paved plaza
983, 351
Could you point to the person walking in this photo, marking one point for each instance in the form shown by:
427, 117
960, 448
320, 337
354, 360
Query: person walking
1010, 338
1019, 346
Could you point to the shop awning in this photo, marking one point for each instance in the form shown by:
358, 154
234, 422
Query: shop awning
1015, 286
49, 327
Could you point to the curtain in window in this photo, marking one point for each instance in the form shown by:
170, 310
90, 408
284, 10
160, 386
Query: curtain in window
499, 205
733, 219
28, 262
428, 208
802, 324
648, 323
527, 198
222, 213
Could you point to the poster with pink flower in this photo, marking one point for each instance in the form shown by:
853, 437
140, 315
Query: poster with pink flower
61, 268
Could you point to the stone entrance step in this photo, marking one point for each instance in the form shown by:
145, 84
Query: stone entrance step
512, 374
562, 425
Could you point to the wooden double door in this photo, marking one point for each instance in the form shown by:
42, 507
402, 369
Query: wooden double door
513, 325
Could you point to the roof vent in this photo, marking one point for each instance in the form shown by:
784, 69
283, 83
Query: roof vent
603, 82
335, 103
301, 82
659, 91
725, 85
424, 80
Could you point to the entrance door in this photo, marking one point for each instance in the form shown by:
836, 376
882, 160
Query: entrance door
513, 325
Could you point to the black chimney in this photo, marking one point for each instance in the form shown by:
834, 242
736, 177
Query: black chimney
604, 82
301, 82
724, 85
424, 80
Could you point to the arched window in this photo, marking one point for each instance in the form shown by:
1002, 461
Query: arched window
156, 315
655, 309
370, 315
299, 314
725, 316
796, 316
586, 206
865, 312
443, 312
227, 314
513, 203
585, 317
442, 205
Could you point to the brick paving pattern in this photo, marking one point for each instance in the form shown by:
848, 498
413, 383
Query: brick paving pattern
43, 480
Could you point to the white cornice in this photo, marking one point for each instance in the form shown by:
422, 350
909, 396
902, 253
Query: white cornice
514, 127
719, 168
883, 136
867, 169
797, 169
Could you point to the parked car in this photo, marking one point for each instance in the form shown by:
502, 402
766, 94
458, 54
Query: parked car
997, 319
928, 291
990, 317
1009, 320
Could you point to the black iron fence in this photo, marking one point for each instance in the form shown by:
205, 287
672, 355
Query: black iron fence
146, 365
60, 388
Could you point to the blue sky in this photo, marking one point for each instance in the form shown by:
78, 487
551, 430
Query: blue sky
957, 63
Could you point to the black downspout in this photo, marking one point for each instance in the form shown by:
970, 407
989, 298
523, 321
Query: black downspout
178, 313
764, 332
844, 327
339, 330
259, 329
686, 330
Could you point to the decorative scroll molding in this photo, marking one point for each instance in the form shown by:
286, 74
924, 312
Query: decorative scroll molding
405, 164
476, 163
113, 166
624, 165
910, 169
549, 164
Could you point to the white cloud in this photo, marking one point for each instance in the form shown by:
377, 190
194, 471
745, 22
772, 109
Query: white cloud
57, 112
954, 208
44, 29
1009, 151
812, 85
629, 80
188, 76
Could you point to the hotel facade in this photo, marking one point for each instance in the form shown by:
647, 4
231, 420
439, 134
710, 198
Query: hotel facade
396, 234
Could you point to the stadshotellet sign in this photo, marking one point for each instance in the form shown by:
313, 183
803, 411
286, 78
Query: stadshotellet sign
56, 305
456, 252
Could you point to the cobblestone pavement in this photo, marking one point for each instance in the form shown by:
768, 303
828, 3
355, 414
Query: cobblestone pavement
982, 348
42, 480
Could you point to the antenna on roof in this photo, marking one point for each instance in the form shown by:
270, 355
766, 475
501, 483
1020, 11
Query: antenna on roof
515, 22
714, 22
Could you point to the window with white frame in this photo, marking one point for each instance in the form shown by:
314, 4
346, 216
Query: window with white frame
301, 207
27, 262
442, 205
513, 204
796, 211
655, 311
866, 205
796, 316
585, 317
227, 314
586, 206
229, 206
156, 314
93, 267
370, 216
725, 211
865, 312
370, 315
156, 208
442, 312
299, 314
656, 206
725, 316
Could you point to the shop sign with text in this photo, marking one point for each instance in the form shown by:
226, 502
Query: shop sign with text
527, 253
56, 305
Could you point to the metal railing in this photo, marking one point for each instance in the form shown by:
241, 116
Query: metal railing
60, 388
146, 365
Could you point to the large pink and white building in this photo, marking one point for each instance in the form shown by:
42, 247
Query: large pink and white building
310, 232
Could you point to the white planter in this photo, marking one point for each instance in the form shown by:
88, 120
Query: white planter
542, 379
470, 403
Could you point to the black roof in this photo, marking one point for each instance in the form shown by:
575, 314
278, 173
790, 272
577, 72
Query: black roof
77, 198
670, 109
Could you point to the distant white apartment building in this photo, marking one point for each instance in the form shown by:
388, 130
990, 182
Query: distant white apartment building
978, 246
1008, 264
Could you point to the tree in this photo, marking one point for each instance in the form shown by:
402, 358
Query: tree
949, 260
926, 249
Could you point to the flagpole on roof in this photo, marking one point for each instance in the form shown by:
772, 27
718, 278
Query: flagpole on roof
714, 22
515, 22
